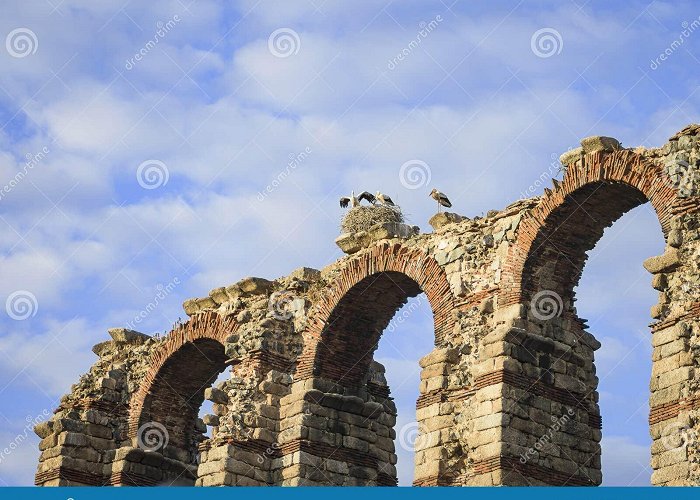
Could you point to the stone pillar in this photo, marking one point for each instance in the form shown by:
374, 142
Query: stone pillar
674, 417
89, 424
74, 445
336, 435
437, 440
542, 421
244, 445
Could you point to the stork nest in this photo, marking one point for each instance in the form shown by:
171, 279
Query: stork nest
362, 218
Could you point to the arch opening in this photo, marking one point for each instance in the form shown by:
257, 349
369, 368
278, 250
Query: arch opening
177, 394
559, 252
549, 258
614, 293
354, 384
355, 325
403, 343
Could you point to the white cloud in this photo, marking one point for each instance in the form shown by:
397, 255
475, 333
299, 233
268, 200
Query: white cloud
227, 128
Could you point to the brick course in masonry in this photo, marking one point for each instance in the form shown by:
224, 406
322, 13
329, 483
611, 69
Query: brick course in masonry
508, 396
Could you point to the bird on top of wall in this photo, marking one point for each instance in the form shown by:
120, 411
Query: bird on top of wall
441, 199
354, 201
384, 199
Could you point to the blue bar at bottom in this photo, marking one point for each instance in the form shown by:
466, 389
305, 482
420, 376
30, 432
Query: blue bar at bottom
347, 493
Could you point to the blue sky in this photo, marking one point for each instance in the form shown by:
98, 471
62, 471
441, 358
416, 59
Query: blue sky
221, 108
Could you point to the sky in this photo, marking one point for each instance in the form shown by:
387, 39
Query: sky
182, 145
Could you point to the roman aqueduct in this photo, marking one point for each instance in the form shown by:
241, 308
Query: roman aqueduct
306, 404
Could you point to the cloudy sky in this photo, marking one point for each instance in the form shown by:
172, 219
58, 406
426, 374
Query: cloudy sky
197, 142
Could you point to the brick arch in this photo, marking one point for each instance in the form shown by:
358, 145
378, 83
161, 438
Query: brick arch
554, 239
357, 307
180, 369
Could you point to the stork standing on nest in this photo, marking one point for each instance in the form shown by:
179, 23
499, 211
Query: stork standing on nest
384, 199
354, 201
441, 199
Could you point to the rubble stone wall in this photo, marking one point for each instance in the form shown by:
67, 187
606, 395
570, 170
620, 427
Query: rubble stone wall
508, 396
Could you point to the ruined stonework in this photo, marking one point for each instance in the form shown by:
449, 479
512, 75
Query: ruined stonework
306, 404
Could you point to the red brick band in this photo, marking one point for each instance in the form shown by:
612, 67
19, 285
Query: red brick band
531, 385
623, 167
691, 313
507, 464
671, 410
268, 361
380, 391
474, 299
207, 325
384, 479
72, 475
528, 469
131, 479
416, 271
328, 452
443, 396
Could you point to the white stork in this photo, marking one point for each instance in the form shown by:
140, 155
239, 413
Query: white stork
441, 199
354, 201
384, 199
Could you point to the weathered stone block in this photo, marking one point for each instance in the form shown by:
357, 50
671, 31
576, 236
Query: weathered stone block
596, 143
571, 156
255, 286
128, 336
443, 219
306, 274
667, 262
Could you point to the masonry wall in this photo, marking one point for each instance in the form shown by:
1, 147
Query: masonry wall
508, 396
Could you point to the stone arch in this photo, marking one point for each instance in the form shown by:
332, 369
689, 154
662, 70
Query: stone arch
551, 353
180, 370
353, 443
570, 220
387, 275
